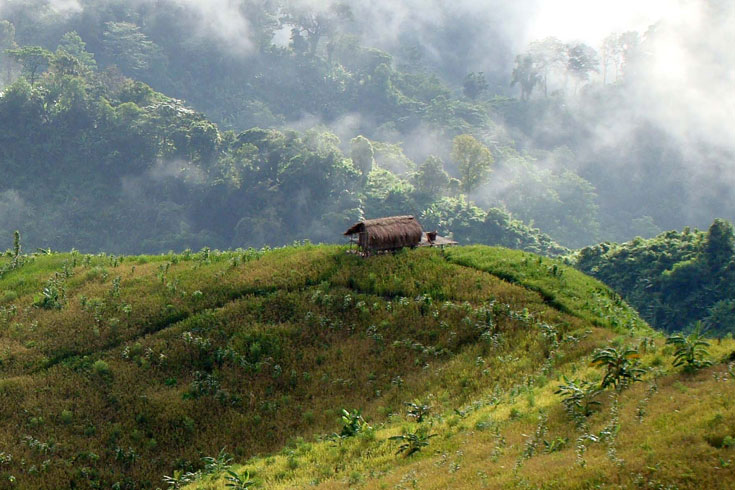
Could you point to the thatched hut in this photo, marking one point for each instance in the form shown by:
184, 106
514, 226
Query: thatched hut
391, 233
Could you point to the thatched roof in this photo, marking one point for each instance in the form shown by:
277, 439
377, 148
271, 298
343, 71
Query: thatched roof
387, 233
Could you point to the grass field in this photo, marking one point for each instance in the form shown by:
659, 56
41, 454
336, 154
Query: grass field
116, 372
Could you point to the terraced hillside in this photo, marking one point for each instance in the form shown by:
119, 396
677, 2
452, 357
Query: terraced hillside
135, 372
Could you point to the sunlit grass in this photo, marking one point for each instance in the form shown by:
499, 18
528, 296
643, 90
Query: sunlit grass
149, 363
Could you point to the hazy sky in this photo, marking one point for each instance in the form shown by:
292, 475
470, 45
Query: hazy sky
592, 20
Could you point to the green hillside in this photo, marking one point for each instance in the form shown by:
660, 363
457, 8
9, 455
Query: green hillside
120, 371
675, 279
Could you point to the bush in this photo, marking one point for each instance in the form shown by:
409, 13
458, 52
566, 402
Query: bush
690, 350
101, 368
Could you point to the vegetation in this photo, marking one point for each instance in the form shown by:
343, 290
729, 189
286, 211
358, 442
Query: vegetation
152, 374
675, 279
97, 138
691, 350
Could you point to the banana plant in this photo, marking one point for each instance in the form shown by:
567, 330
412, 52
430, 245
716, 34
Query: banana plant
412, 442
237, 482
621, 366
578, 397
691, 351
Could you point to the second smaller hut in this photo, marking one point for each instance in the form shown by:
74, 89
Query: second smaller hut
382, 234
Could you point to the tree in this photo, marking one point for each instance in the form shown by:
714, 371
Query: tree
582, 60
548, 56
311, 24
72, 43
127, 46
473, 160
616, 51
362, 154
7, 42
719, 245
474, 84
431, 179
33, 59
525, 74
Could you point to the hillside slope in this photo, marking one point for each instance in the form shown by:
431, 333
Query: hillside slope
117, 371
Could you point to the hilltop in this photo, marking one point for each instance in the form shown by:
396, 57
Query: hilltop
118, 371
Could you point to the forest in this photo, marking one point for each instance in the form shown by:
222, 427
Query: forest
136, 119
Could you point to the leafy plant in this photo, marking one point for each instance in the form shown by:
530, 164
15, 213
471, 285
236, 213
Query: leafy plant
690, 350
555, 445
578, 397
179, 479
51, 297
412, 442
417, 410
352, 423
622, 366
218, 464
238, 482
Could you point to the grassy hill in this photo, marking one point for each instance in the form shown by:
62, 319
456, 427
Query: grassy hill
118, 371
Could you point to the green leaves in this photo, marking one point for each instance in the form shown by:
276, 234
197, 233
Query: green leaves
473, 159
353, 423
578, 397
690, 350
417, 410
412, 442
238, 482
622, 366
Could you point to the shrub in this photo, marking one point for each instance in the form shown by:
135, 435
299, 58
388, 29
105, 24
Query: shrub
417, 410
690, 350
101, 368
621, 365
412, 442
352, 423
578, 397
238, 482
66, 417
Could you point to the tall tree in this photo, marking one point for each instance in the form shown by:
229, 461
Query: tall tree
548, 55
431, 179
525, 74
128, 46
72, 43
582, 60
719, 245
7, 41
473, 160
33, 59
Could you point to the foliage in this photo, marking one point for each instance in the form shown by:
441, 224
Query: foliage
352, 423
473, 160
237, 482
412, 442
691, 349
674, 279
578, 397
417, 410
621, 366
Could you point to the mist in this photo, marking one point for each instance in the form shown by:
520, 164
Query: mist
664, 120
